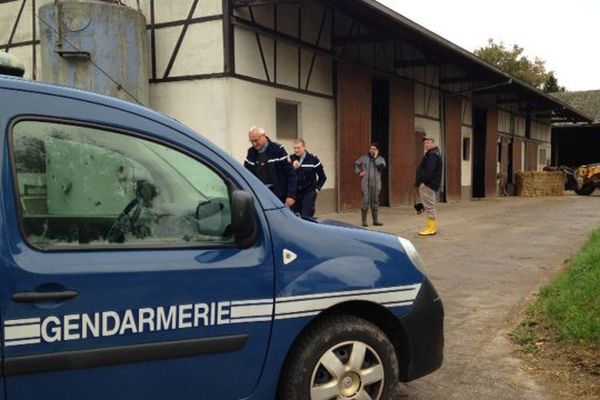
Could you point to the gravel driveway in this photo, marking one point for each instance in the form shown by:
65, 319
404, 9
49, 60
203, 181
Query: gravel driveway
487, 261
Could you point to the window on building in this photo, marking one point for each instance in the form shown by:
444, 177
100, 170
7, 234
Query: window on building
466, 150
82, 187
287, 119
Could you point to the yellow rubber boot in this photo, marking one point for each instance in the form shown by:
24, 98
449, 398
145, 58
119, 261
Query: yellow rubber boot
431, 228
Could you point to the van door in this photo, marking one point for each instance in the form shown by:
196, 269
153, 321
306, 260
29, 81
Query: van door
121, 276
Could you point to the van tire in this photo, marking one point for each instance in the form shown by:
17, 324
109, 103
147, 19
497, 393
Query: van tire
342, 336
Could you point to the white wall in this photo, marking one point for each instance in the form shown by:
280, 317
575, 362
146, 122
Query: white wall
254, 104
504, 118
285, 63
520, 125
203, 105
427, 99
540, 131
542, 162
223, 109
431, 128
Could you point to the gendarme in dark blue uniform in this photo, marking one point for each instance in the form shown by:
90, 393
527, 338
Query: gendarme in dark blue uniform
311, 177
271, 166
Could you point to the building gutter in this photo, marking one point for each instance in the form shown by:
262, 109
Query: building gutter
479, 89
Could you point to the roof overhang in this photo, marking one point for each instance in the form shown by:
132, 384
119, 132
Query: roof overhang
391, 23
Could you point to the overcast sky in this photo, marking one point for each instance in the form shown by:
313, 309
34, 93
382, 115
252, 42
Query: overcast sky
565, 33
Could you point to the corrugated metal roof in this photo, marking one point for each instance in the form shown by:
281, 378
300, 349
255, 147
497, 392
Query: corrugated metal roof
588, 102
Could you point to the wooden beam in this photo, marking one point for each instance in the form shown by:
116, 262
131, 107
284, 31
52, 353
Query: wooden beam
250, 3
445, 80
361, 39
508, 100
423, 62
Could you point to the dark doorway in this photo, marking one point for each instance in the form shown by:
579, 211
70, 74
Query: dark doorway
479, 136
575, 146
510, 165
380, 130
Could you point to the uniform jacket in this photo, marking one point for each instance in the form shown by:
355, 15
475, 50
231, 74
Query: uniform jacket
373, 168
283, 176
311, 174
430, 170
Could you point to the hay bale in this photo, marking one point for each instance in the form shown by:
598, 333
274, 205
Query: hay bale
536, 184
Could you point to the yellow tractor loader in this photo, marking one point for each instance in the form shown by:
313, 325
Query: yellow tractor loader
584, 179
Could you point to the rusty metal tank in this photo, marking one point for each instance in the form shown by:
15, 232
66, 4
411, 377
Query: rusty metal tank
100, 46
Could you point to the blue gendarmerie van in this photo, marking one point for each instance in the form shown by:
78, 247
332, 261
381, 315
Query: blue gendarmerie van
140, 261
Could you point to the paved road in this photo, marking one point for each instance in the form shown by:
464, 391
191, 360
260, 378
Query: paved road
487, 261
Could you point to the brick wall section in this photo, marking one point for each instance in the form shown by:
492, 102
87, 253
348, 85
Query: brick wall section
402, 143
453, 126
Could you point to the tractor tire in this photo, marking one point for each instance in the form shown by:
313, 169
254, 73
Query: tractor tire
586, 190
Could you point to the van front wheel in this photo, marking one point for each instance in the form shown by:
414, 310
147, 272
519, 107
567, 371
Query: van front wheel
341, 357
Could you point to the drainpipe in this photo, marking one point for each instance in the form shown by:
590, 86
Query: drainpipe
443, 144
480, 89
59, 23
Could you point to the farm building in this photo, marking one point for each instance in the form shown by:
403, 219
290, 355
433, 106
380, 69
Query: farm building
338, 73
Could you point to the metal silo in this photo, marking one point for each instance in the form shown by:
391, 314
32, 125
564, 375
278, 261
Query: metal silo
98, 46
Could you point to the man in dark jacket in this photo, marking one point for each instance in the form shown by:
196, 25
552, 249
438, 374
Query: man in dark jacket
311, 178
268, 161
428, 182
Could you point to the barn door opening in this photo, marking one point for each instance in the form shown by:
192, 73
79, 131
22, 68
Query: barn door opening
380, 130
479, 137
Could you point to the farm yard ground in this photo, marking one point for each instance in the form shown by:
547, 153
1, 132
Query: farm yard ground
488, 260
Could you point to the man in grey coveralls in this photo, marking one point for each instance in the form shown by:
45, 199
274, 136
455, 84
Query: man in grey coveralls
369, 167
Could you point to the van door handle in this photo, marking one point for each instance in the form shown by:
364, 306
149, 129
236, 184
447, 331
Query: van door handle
34, 297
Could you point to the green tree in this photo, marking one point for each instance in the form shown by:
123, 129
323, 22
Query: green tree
551, 85
513, 62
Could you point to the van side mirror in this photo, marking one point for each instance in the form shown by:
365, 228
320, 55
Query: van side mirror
243, 219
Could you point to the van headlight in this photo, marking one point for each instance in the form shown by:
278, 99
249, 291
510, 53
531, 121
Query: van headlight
412, 253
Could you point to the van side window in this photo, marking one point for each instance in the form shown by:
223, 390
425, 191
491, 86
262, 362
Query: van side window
82, 187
